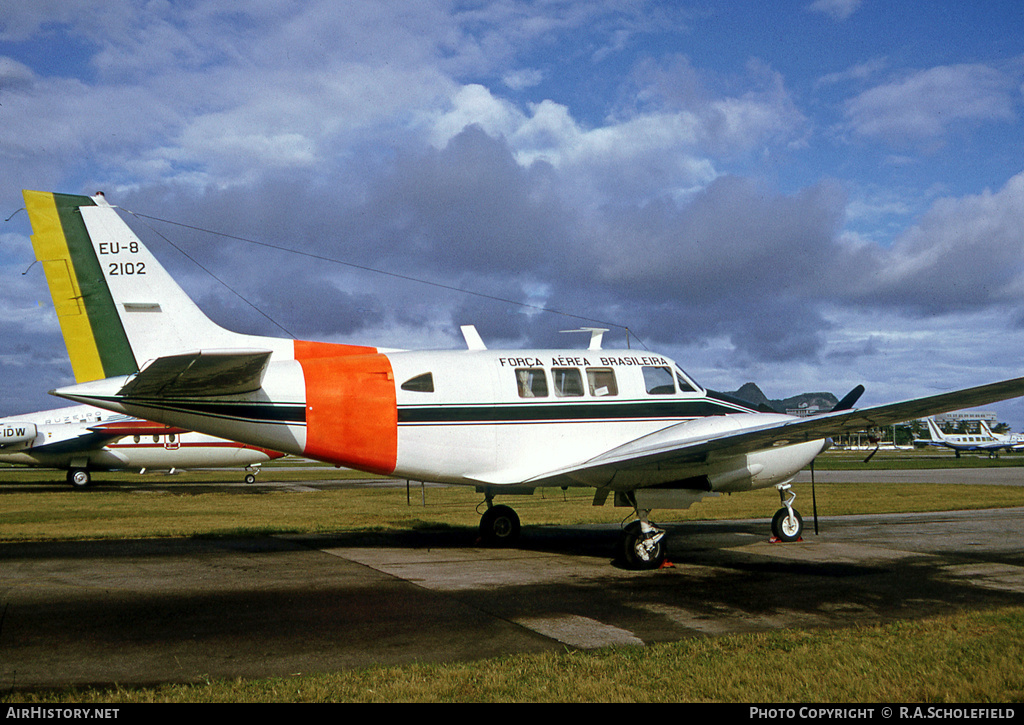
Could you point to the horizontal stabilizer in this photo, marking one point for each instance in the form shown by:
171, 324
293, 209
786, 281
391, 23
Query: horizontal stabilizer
201, 373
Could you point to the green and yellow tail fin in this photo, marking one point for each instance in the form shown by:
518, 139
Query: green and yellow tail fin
118, 307
93, 333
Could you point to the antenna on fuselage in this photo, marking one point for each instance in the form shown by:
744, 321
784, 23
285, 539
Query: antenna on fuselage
473, 339
596, 335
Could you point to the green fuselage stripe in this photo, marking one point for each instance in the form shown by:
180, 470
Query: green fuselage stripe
554, 412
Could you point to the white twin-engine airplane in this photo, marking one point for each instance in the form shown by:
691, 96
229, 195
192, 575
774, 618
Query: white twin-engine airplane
83, 439
633, 426
984, 440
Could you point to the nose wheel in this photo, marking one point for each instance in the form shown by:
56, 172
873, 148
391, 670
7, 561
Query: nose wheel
787, 525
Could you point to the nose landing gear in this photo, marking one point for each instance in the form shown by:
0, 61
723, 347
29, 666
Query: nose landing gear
787, 525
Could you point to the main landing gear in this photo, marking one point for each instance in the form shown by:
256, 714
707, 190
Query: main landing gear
643, 544
499, 525
79, 477
787, 525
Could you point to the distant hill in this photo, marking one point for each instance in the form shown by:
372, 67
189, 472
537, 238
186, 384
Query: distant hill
752, 394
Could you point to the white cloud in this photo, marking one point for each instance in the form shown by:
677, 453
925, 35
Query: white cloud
964, 253
523, 78
475, 105
859, 72
670, 145
926, 104
836, 9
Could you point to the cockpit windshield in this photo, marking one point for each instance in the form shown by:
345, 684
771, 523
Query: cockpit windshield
685, 382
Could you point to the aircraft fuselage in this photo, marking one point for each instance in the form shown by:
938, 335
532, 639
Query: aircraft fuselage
482, 417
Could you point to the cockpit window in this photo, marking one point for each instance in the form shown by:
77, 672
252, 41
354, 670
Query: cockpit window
601, 382
420, 384
658, 380
532, 382
685, 384
568, 382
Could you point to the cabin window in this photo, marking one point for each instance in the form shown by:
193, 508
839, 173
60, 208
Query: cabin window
658, 380
568, 382
533, 383
420, 384
602, 382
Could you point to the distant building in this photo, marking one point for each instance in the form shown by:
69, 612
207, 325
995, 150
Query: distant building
804, 411
968, 416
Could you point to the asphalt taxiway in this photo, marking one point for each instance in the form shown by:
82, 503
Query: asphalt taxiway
181, 610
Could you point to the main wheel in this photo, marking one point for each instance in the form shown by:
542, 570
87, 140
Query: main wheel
786, 527
642, 552
499, 526
79, 477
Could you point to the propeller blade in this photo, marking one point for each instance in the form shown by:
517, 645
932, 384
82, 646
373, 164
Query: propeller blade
850, 399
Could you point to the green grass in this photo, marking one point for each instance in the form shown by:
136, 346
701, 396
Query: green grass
839, 460
967, 657
59, 513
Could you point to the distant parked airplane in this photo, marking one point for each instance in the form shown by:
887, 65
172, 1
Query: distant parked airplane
1012, 442
984, 441
83, 439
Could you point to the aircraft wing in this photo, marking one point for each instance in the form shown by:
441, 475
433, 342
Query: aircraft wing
83, 437
88, 439
676, 446
199, 373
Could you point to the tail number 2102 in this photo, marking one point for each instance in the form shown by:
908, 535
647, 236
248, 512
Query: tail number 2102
120, 269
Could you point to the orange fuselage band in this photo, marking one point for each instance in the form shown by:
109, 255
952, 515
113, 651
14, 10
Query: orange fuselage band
351, 413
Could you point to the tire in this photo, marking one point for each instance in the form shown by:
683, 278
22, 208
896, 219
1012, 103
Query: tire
499, 526
250, 478
79, 477
786, 528
637, 551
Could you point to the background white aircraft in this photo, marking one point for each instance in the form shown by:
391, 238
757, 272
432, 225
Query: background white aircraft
1011, 442
82, 439
632, 425
984, 441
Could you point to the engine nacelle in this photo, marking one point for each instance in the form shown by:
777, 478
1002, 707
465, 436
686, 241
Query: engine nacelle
16, 434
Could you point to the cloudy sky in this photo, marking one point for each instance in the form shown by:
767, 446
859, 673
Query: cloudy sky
807, 194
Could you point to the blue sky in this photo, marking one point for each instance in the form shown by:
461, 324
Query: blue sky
808, 195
